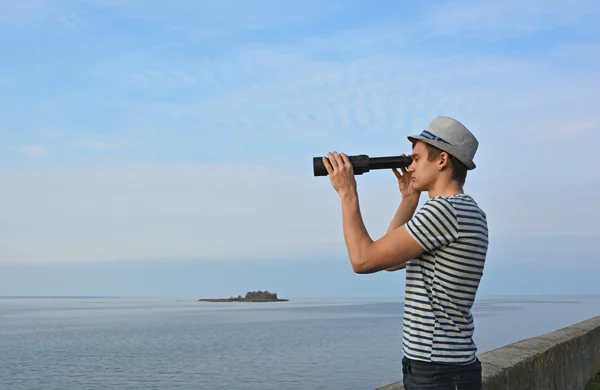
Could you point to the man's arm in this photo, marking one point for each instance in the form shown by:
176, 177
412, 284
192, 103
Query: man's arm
368, 256
397, 268
404, 213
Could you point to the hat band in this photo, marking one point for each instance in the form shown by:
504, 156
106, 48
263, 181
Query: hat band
431, 136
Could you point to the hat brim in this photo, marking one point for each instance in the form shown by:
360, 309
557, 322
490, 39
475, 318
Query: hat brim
446, 148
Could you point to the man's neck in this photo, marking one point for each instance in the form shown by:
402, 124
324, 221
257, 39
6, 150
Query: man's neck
445, 188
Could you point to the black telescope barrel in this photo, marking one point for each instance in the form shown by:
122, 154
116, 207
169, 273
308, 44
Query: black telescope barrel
389, 162
363, 163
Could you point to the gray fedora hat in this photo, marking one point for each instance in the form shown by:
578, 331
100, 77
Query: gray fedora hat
452, 137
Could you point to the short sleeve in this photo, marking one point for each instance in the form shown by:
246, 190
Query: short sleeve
434, 225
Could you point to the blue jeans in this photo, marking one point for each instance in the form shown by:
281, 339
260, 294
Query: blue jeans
423, 375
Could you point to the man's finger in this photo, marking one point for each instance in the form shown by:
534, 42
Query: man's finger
398, 176
345, 159
327, 165
332, 161
338, 159
347, 162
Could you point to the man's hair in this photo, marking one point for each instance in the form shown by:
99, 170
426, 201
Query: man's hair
459, 170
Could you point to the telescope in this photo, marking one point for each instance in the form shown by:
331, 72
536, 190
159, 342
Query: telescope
363, 163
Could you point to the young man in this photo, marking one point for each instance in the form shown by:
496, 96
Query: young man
443, 248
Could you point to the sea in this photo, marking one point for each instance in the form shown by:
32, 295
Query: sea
72, 343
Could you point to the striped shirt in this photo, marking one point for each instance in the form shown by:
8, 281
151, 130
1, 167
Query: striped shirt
442, 282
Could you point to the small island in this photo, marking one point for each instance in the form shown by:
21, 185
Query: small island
252, 296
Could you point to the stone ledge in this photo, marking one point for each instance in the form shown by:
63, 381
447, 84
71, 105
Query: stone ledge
564, 359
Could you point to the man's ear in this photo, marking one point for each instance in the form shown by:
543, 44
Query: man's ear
444, 161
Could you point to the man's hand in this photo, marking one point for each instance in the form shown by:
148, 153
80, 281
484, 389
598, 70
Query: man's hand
341, 173
410, 199
405, 184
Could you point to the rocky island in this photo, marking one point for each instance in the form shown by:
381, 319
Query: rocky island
252, 296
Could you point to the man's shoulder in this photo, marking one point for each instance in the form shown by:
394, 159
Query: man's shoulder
439, 208
459, 210
439, 201
470, 216
435, 225
440, 205
458, 202
462, 197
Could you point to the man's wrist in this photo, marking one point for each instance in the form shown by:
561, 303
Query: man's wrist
348, 195
410, 200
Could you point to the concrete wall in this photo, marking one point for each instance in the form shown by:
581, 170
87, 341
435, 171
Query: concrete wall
562, 360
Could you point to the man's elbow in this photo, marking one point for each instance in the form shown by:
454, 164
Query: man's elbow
396, 267
363, 266
360, 269
357, 264
369, 266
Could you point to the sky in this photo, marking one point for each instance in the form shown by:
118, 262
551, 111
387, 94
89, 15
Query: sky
154, 150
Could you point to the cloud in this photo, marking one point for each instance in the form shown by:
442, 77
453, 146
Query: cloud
165, 212
492, 19
227, 17
253, 113
215, 211
101, 145
30, 150
21, 11
577, 128
27, 12
50, 134
191, 19
151, 78
273, 92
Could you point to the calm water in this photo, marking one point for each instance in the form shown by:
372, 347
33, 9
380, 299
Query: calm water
141, 344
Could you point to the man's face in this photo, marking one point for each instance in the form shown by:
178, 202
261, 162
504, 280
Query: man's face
423, 172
